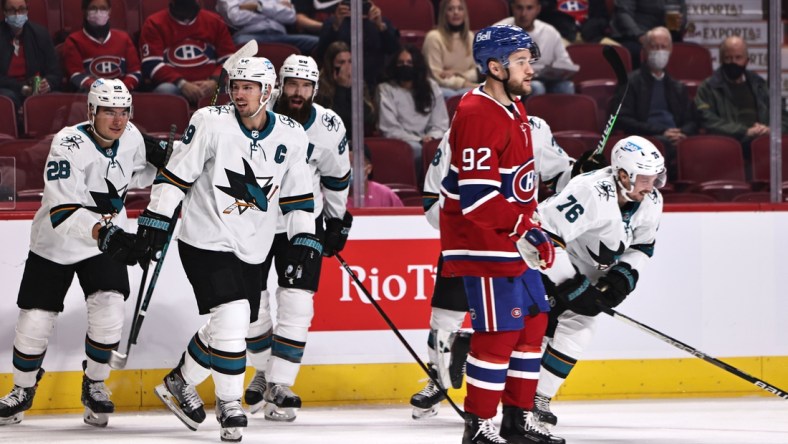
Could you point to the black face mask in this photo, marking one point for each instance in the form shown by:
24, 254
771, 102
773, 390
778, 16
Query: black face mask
456, 28
97, 32
733, 71
184, 10
405, 73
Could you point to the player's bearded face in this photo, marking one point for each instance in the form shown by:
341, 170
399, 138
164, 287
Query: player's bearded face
246, 97
295, 100
643, 186
520, 73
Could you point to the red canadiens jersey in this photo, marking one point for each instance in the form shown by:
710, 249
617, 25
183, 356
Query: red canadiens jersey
491, 182
195, 51
87, 59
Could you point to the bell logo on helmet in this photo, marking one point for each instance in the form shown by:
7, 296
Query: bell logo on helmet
482, 36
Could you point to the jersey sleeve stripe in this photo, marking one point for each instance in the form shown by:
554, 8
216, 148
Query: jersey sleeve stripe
557, 240
428, 200
647, 249
304, 202
60, 213
336, 183
166, 176
486, 182
479, 202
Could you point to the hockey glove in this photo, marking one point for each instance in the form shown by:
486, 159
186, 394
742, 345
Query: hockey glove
616, 285
578, 295
337, 231
537, 249
588, 161
303, 257
120, 246
153, 230
157, 151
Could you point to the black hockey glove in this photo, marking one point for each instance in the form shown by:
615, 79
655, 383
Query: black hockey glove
337, 231
119, 245
578, 295
588, 161
616, 285
153, 230
157, 151
303, 257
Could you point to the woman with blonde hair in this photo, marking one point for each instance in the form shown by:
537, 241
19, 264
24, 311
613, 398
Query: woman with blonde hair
448, 50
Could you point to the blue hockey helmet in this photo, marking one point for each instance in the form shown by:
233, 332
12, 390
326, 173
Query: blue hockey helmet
498, 42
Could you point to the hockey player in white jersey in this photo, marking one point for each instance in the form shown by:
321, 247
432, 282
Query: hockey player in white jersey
77, 230
276, 351
604, 225
449, 304
236, 167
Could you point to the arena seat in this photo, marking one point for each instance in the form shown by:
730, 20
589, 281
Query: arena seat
48, 113
393, 160
593, 64
154, 113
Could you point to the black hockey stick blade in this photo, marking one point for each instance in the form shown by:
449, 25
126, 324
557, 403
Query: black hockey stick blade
617, 65
398, 334
763, 385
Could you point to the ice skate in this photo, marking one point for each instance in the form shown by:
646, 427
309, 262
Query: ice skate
14, 404
481, 431
182, 399
95, 398
542, 411
427, 402
255, 392
281, 403
232, 418
521, 427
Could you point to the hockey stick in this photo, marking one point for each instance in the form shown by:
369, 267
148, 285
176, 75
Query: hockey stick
247, 50
695, 352
398, 334
615, 62
118, 360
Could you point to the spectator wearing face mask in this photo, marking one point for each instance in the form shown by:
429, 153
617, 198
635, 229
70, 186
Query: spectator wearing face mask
656, 104
412, 108
735, 101
96, 51
183, 48
26, 53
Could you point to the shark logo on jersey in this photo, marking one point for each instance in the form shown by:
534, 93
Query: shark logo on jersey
219, 109
331, 122
109, 203
71, 142
605, 189
246, 190
287, 121
534, 124
606, 257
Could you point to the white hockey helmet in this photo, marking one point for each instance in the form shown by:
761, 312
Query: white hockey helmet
299, 67
636, 155
254, 69
110, 93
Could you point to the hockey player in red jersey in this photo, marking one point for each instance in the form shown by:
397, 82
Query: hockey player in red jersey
489, 233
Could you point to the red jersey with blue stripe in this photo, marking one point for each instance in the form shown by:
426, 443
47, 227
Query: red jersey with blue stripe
86, 59
491, 183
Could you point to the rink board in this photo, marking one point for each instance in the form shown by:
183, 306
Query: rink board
715, 283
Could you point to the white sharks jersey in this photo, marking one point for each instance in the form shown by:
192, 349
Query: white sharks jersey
235, 181
84, 184
328, 161
586, 220
551, 162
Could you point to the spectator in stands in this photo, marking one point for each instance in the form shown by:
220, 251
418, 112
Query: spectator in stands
310, 14
735, 101
377, 194
183, 48
448, 50
96, 51
577, 20
381, 38
334, 90
28, 64
412, 108
554, 66
656, 104
633, 18
264, 21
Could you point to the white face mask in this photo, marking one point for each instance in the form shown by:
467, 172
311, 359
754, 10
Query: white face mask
658, 59
98, 18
